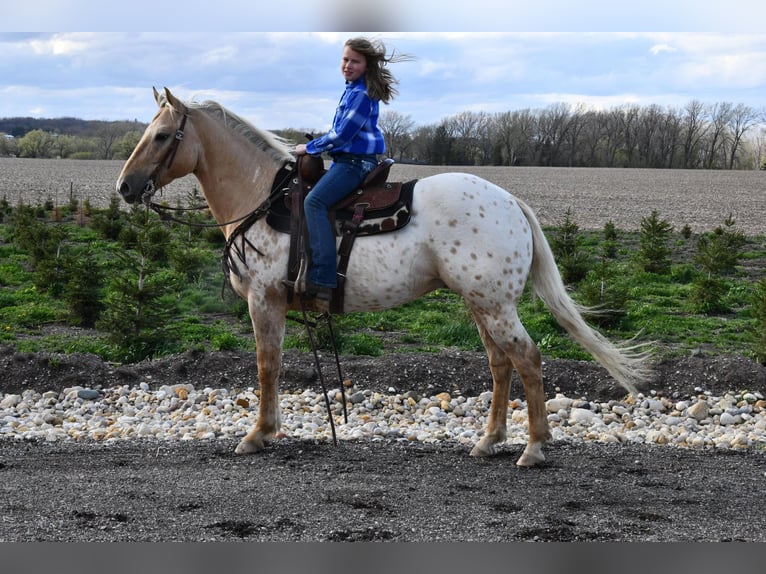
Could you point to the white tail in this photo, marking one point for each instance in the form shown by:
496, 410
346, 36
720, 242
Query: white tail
626, 364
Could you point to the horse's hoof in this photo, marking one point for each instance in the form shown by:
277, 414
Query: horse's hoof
248, 447
532, 455
481, 450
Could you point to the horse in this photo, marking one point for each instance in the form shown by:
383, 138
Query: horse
465, 234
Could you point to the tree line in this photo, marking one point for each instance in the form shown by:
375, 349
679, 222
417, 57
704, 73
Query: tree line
697, 136
69, 138
717, 136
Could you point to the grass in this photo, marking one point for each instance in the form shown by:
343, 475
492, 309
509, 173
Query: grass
658, 309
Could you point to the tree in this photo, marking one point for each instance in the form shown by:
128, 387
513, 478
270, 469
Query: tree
36, 143
422, 139
62, 145
694, 129
126, 144
107, 135
653, 242
629, 122
668, 138
442, 146
140, 305
8, 146
567, 247
572, 135
471, 144
515, 132
553, 124
720, 118
741, 119
613, 135
719, 252
397, 129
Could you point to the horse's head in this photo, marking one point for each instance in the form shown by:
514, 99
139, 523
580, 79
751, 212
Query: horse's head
160, 156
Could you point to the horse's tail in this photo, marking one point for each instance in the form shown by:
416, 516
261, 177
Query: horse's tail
626, 363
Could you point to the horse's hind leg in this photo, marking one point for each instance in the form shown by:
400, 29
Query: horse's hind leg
519, 351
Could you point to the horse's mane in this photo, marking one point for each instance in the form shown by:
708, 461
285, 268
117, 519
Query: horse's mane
275, 146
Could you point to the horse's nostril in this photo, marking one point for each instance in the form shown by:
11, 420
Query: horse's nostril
126, 191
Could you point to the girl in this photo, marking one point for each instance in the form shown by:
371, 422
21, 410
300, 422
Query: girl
353, 142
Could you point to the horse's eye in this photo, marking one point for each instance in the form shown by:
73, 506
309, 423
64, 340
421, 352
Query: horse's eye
161, 137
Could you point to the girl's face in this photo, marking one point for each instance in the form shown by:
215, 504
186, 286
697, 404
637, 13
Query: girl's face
353, 65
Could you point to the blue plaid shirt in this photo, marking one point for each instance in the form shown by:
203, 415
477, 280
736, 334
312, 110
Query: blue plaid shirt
354, 127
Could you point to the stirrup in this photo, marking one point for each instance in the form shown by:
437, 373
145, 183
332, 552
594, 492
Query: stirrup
311, 291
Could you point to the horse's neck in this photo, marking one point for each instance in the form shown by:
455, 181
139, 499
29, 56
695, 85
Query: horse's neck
235, 177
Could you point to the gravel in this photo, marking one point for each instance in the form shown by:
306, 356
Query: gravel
183, 413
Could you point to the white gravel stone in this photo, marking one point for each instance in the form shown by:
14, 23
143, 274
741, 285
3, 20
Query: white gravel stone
581, 416
558, 403
698, 410
184, 413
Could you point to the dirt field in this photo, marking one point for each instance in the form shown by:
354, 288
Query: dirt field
392, 491
698, 198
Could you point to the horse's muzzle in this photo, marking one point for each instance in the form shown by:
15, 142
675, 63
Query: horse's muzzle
134, 190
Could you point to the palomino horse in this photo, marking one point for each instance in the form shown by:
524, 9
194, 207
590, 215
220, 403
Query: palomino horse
466, 234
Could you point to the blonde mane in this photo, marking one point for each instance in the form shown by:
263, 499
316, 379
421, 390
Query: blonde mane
276, 147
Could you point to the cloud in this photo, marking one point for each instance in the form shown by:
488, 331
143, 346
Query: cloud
58, 46
283, 80
659, 48
220, 55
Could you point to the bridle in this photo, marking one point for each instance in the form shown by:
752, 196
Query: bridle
283, 175
170, 155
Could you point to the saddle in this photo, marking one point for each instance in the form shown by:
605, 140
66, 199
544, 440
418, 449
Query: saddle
377, 206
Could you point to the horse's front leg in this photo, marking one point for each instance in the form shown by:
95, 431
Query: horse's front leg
269, 330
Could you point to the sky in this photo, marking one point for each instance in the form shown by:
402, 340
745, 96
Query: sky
291, 79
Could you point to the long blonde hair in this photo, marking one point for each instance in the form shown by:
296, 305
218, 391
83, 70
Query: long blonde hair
379, 79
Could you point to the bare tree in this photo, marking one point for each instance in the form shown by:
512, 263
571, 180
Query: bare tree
575, 126
669, 137
648, 133
629, 121
694, 128
553, 125
720, 115
397, 129
741, 119
106, 136
422, 141
591, 137
472, 142
613, 135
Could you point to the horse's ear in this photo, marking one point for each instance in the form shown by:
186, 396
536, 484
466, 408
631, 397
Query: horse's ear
156, 96
174, 102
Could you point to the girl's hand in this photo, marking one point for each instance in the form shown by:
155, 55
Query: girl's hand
300, 149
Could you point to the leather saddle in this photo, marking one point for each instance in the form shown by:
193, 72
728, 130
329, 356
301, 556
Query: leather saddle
378, 206
374, 192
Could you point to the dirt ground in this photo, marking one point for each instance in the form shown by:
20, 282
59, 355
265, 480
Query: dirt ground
375, 491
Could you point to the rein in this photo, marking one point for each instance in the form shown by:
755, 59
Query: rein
276, 188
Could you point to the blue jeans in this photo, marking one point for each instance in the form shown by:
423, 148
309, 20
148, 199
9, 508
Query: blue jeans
344, 176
